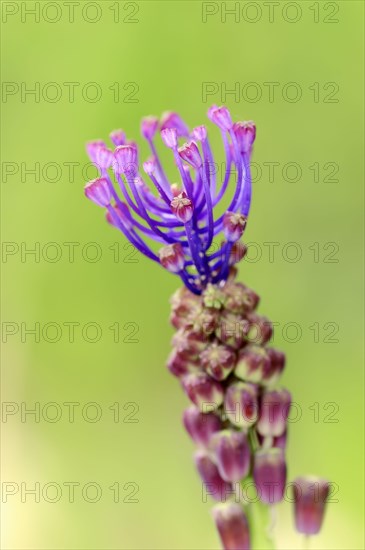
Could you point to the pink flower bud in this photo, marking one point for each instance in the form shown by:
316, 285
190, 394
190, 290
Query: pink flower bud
203, 391
92, 147
211, 110
310, 496
203, 321
233, 226
232, 329
149, 127
180, 365
172, 257
277, 364
149, 166
199, 133
238, 252
98, 191
123, 214
252, 362
261, 329
251, 301
269, 473
190, 153
189, 341
232, 526
274, 412
125, 159
182, 207
173, 120
239, 298
103, 157
185, 305
118, 137
215, 486
245, 133
221, 117
241, 404
169, 137
218, 360
201, 426
231, 454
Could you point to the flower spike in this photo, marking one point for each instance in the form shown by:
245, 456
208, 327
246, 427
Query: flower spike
221, 353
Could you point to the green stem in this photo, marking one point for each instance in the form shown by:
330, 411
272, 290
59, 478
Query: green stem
259, 519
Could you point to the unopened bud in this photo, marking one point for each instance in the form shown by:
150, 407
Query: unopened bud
125, 159
215, 486
261, 329
170, 119
274, 412
98, 191
218, 360
199, 133
172, 257
118, 137
234, 225
123, 214
238, 252
232, 454
245, 133
269, 473
201, 426
169, 137
221, 117
310, 496
241, 404
190, 153
182, 207
149, 127
203, 390
253, 362
232, 526
232, 329
149, 166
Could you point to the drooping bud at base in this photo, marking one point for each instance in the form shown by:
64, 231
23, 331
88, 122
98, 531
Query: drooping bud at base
232, 526
310, 496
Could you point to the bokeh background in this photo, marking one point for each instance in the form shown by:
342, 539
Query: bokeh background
146, 57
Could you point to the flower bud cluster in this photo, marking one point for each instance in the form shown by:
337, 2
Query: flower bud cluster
238, 414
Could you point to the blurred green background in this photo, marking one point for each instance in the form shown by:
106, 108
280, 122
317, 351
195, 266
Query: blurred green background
168, 50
